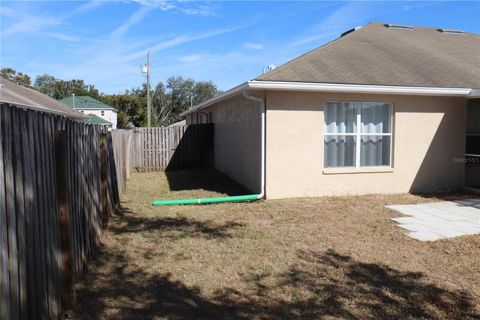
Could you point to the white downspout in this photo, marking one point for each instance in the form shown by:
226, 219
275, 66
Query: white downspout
261, 195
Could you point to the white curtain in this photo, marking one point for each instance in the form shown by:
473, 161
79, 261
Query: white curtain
375, 151
340, 117
339, 151
375, 117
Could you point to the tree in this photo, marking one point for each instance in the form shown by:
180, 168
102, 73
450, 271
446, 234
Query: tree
162, 107
181, 91
59, 89
18, 78
131, 109
177, 96
169, 99
45, 84
204, 90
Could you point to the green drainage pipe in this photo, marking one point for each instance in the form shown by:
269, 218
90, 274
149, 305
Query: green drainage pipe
249, 197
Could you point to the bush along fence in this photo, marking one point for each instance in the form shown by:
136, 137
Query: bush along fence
58, 187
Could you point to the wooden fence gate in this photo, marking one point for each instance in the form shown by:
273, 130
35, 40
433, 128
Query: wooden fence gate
178, 147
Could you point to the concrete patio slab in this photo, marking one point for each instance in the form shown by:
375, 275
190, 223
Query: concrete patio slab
439, 220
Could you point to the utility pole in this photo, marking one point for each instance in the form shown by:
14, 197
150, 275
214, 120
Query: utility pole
149, 106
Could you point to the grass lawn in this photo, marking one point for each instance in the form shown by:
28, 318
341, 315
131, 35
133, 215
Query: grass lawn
304, 258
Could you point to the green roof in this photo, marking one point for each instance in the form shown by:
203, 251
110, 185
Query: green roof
94, 119
85, 103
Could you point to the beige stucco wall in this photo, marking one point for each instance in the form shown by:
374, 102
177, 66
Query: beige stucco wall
196, 118
428, 146
237, 140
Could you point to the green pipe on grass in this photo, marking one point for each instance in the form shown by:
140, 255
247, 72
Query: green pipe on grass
249, 197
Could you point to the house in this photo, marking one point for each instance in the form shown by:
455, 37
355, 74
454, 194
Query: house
14, 95
382, 109
89, 105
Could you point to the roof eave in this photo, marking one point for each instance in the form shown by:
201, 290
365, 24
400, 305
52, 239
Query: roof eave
333, 87
357, 88
474, 94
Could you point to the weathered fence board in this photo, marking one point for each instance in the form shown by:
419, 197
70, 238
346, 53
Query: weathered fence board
175, 147
58, 187
154, 149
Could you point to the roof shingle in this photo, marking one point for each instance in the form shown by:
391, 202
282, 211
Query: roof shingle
85, 102
14, 94
378, 55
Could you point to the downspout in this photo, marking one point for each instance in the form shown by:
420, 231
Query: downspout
249, 197
261, 195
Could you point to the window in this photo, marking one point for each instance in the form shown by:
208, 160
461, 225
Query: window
102, 113
347, 123
81, 111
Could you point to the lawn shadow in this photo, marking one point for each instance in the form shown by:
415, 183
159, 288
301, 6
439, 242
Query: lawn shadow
319, 285
448, 196
204, 179
348, 288
173, 227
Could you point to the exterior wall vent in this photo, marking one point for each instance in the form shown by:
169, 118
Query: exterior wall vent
399, 26
349, 31
451, 31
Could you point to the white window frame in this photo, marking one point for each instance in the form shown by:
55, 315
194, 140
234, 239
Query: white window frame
102, 113
358, 134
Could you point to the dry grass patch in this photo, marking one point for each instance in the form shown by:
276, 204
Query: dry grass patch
279, 259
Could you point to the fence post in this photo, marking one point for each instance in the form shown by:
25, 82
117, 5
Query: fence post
104, 203
63, 203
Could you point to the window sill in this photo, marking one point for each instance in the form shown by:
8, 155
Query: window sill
351, 170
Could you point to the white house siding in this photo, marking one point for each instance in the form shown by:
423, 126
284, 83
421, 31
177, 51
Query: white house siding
109, 114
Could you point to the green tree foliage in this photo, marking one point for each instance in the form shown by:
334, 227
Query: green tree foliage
178, 95
169, 99
45, 83
131, 109
59, 89
18, 78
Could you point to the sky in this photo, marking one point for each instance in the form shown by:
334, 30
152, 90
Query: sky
227, 42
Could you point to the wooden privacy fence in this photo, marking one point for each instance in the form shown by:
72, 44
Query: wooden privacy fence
57, 189
170, 148
124, 151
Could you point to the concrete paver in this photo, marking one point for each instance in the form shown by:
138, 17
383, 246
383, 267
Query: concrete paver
439, 220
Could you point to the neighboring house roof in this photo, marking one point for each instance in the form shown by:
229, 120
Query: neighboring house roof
85, 103
377, 54
379, 58
94, 119
13, 94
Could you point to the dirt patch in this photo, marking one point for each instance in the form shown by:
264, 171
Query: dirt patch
281, 259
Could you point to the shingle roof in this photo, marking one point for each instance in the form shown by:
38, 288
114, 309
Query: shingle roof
85, 102
379, 55
14, 94
94, 119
